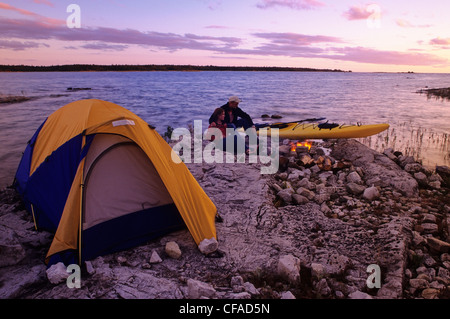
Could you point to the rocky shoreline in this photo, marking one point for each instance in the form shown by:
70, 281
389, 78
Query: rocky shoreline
443, 93
309, 231
13, 98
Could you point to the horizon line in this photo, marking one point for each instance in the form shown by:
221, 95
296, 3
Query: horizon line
179, 67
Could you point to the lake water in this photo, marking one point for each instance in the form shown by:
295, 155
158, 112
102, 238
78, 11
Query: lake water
419, 126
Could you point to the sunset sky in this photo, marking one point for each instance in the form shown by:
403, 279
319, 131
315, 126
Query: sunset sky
387, 36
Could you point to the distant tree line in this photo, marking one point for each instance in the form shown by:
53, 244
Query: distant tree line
150, 67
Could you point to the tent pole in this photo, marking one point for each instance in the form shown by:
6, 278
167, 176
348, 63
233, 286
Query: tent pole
83, 143
34, 218
81, 222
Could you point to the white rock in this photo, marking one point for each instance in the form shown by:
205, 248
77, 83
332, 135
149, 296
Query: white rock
89, 268
317, 270
287, 295
359, 295
173, 250
237, 281
289, 267
324, 208
435, 184
250, 288
121, 259
207, 246
57, 273
371, 193
354, 177
198, 289
241, 295
154, 258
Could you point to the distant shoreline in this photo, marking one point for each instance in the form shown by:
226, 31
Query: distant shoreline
150, 67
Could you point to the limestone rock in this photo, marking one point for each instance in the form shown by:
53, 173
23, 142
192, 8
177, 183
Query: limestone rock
438, 245
306, 193
289, 267
299, 199
57, 273
444, 172
11, 251
208, 246
198, 289
359, 295
377, 165
317, 270
251, 289
354, 177
371, 193
421, 178
155, 258
287, 295
173, 250
355, 189
286, 195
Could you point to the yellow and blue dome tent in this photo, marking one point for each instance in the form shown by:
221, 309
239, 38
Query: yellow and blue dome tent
103, 180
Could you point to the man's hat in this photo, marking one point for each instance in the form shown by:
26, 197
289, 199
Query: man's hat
234, 99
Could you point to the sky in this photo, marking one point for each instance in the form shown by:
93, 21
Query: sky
356, 35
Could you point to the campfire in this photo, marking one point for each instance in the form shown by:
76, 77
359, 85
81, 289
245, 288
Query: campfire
305, 146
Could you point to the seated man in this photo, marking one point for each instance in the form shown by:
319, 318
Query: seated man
234, 115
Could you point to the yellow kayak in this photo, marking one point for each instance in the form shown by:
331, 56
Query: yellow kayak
324, 130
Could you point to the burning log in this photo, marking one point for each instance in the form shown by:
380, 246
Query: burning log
306, 160
324, 163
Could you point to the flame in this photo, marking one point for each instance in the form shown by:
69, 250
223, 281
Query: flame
299, 144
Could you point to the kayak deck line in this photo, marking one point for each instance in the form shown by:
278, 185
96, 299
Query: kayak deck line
302, 130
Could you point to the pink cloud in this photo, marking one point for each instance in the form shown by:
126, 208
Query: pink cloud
440, 41
357, 13
299, 45
213, 5
292, 4
296, 38
216, 27
105, 46
29, 29
20, 46
406, 24
6, 6
275, 44
368, 55
38, 17
46, 2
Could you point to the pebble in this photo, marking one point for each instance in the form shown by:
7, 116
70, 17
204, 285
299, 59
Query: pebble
173, 250
155, 258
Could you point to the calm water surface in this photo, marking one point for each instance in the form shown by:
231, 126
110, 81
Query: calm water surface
419, 126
